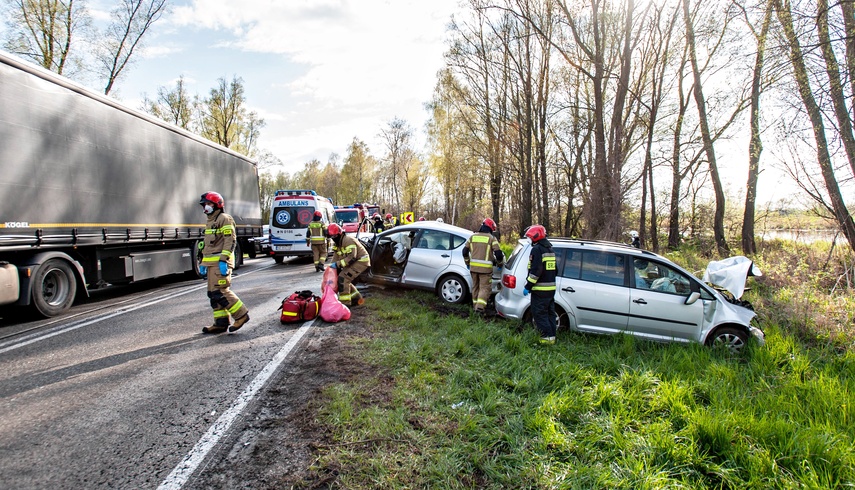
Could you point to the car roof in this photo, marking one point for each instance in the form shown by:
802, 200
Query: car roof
431, 225
599, 245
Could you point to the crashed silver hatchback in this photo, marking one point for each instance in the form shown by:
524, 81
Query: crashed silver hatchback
610, 288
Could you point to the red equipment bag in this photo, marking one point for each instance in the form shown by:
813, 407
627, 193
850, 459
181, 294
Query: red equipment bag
300, 306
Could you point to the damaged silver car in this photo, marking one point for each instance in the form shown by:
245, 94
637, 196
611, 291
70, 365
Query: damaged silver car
610, 288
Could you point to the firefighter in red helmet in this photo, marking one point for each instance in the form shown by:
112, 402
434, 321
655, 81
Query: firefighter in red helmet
351, 259
541, 283
317, 238
481, 253
218, 260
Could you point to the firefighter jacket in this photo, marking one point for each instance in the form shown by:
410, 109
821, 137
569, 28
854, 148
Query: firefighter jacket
541, 267
349, 251
317, 233
482, 252
220, 240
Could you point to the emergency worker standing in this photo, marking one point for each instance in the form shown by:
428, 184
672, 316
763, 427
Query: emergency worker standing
390, 221
317, 238
541, 283
217, 263
350, 258
377, 223
481, 253
636, 242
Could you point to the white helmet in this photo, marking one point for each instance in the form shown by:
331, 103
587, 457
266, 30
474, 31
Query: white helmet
633, 234
439, 220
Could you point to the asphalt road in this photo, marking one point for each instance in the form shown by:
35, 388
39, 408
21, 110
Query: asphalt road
119, 392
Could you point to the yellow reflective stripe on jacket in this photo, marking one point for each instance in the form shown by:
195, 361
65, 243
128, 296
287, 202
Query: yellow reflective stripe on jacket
223, 230
210, 259
227, 253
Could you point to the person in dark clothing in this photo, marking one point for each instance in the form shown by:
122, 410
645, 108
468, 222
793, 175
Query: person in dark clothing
541, 283
636, 242
377, 223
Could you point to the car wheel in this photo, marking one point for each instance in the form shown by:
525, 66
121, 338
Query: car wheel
730, 338
452, 289
54, 287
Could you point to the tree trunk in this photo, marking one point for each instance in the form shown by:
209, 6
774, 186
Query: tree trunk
718, 224
844, 219
755, 145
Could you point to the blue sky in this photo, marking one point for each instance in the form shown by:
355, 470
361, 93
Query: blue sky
319, 72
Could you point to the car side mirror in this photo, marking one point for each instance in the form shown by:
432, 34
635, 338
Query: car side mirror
693, 296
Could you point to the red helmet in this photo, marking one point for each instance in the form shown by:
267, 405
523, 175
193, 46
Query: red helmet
388, 215
334, 230
492, 224
318, 214
376, 215
535, 232
214, 198
421, 218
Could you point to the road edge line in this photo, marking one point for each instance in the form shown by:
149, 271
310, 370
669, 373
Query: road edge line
179, 476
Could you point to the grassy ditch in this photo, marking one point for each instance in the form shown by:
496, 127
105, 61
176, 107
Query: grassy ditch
460, 402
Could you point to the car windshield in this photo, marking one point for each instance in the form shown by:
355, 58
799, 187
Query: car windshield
292, 217
347, 216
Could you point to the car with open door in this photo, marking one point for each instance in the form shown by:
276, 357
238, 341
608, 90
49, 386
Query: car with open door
425, 255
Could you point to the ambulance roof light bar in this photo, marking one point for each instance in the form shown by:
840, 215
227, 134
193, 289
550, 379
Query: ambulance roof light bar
296, 192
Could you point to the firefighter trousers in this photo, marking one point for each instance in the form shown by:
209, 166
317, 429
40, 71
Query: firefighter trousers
481, 288
319, 253
223, 301
346, 290
543, 312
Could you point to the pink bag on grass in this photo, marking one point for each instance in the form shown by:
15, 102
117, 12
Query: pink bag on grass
332, 310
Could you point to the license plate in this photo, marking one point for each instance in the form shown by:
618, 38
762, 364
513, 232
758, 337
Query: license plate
282, 248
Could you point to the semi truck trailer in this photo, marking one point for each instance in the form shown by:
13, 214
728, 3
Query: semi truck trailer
94, 193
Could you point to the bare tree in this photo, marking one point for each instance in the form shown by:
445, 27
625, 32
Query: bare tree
814, 111
225, 119
130, 21
174, 106
43, 30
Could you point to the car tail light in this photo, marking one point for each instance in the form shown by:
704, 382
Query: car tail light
509, 281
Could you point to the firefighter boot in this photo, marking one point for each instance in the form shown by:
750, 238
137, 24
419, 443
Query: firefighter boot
356, 299
239, 323
218, 327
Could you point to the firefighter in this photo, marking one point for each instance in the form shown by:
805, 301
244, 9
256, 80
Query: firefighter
317, 238
377, 223
218, 260
350, 258
390, 222
636, 242
541, 283
481, 253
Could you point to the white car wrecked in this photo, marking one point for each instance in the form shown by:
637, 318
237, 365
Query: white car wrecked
610, 288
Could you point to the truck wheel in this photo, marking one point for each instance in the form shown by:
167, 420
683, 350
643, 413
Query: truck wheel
251, 251
238, 256
278, 259
54, 287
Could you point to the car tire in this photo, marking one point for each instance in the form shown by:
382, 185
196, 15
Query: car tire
452, 289
278, 259
733, 339
562, 321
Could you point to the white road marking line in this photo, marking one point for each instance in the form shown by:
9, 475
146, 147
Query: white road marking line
36, 337
188, 465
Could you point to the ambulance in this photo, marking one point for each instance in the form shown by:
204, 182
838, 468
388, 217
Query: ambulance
290, 215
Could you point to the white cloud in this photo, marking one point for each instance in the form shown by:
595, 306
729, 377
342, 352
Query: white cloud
357, 53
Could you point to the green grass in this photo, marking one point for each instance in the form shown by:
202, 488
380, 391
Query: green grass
464, 403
